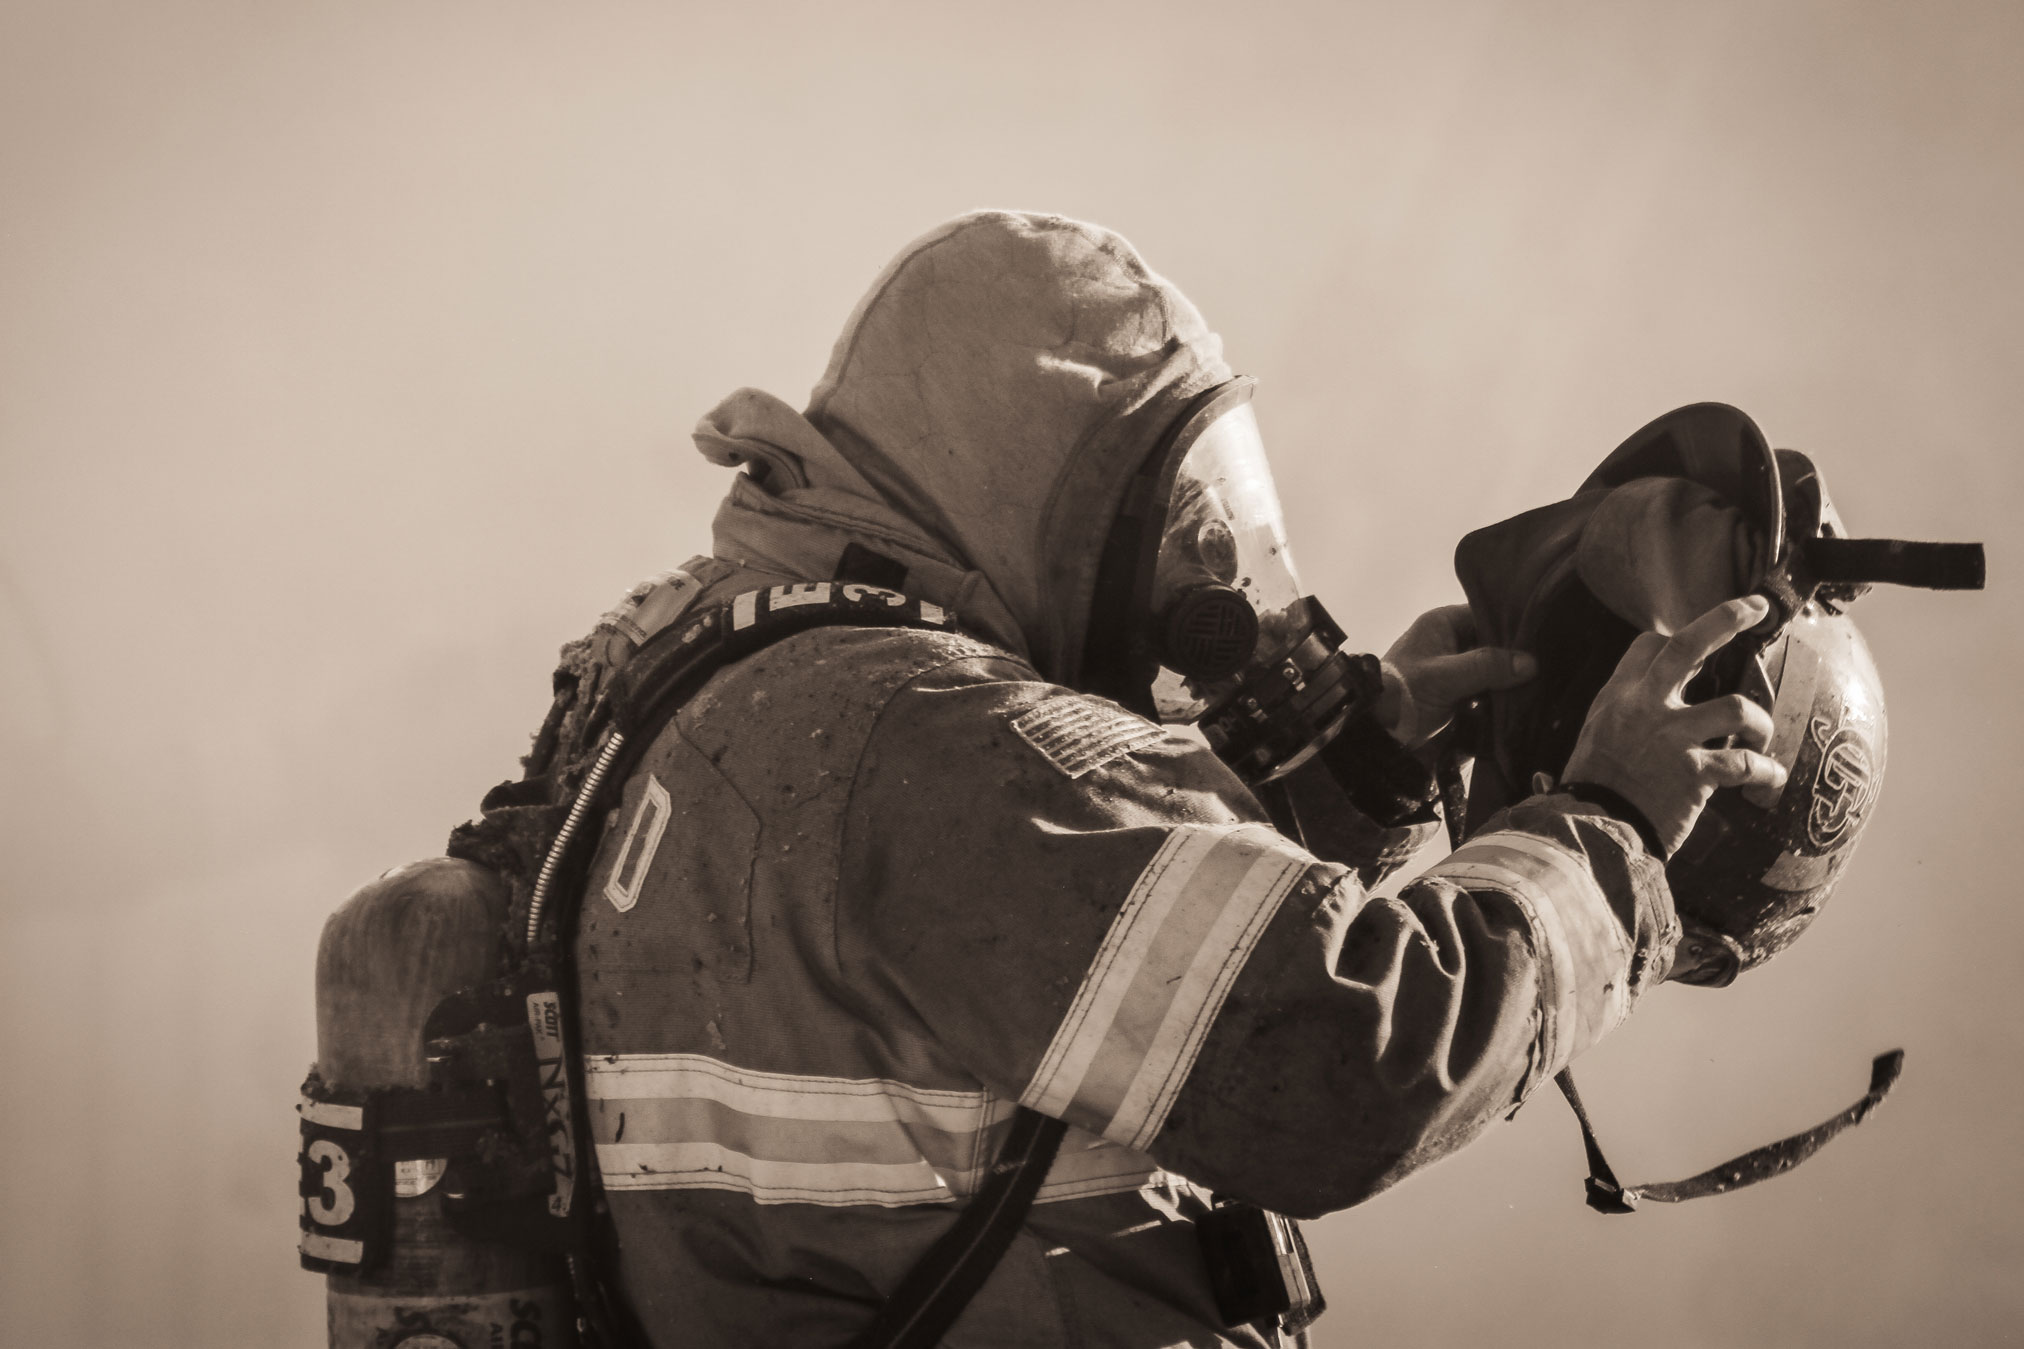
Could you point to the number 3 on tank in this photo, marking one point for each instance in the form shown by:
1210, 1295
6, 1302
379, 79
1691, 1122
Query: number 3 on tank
336, 1209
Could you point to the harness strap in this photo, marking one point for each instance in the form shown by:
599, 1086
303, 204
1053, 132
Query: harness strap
938, 1287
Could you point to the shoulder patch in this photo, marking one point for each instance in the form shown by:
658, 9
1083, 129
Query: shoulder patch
1079, 734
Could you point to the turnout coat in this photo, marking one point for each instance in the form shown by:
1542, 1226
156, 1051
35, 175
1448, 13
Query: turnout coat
871, 889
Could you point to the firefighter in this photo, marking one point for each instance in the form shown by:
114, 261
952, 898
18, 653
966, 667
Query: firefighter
875, 893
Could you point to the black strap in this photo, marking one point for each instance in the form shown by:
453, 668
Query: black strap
1621, 808
938, 1287
870, 567
1928, 566
1454, 794
1381, 777
1606, 1194
1605, 1191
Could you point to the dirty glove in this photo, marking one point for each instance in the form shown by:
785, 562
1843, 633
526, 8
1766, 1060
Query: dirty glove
1663, 756
1435, 667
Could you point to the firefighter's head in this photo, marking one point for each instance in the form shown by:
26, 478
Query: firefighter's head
1000, 386
1030, 401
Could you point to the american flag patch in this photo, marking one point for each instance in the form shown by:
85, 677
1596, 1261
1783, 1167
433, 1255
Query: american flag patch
1078, 735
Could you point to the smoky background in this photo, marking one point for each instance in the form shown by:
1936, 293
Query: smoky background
347, 358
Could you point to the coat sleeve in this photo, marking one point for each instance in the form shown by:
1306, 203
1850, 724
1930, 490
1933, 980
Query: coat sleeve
1094, 917
1320, 815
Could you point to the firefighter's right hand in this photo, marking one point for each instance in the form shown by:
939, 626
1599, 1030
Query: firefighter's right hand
1664, 756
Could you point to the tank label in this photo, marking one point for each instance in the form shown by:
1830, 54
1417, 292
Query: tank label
416, 1176
519, 1318
342, 1186
544, 1018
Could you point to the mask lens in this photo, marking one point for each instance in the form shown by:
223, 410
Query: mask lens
1217, 546
1225, 529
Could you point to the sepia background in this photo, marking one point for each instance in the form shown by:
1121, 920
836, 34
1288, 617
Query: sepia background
348, 353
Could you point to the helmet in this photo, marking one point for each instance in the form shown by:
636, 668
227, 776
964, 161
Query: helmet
1695, 509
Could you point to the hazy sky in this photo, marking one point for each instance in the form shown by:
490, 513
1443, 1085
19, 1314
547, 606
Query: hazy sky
347, 358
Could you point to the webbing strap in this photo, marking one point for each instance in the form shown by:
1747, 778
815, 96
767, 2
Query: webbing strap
1606, 1194
1928, 566
938, 1287
1605, 1191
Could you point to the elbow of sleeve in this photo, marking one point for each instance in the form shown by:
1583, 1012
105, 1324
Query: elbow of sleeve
1345, 1182
1369, 1156
1338, 1177
1334, 1156
1363, 1163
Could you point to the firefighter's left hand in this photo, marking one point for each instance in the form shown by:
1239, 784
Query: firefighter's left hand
1435, 667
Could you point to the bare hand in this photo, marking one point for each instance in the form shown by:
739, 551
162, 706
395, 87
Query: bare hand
1435, 667
1664, 756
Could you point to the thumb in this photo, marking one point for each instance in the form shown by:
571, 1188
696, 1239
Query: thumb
1443, 681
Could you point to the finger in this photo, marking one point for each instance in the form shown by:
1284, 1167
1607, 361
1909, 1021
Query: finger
1637, 660
1437, 632
1692, 645
1459, 621
1737, 768
1719, 718
1446, 680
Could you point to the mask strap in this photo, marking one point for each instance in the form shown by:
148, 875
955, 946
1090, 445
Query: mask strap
1454, 792
1928, 566
1608, 1195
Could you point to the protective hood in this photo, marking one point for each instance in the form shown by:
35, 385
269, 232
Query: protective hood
982, 413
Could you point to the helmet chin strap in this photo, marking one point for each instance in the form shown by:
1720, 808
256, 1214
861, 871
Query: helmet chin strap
1606, 1194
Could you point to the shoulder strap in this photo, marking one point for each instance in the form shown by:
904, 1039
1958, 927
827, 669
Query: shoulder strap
942, 1282
647, 691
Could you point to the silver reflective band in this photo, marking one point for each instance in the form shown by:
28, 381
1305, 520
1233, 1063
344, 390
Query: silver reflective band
687, 1121
1138, 1021
337, 1250
331, 1115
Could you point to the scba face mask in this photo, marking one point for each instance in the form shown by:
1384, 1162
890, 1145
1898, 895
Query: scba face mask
1200, 617
1224, 590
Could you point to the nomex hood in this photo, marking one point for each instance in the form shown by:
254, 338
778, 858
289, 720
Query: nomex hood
981, 414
